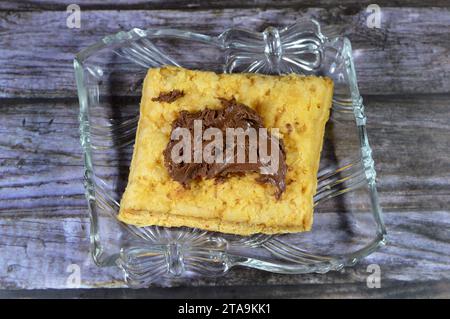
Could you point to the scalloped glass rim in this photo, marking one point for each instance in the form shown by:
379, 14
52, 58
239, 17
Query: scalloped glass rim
266, 52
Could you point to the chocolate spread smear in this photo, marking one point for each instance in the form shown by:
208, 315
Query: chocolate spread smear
232, 115
168, 97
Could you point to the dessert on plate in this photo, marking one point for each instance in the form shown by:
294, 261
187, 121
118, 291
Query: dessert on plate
233, 153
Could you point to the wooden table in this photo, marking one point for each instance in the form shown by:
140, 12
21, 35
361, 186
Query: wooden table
404, 75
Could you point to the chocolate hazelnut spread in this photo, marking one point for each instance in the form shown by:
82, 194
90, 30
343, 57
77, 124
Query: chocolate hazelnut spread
232, 115
168, 97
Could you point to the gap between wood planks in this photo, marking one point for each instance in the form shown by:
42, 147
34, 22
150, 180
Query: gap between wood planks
42, 168
61, 5
389, 289
39, 251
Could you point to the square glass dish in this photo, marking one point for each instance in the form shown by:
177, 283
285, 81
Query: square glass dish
348, 222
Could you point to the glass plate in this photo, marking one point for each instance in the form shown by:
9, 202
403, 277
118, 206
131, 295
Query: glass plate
348, 221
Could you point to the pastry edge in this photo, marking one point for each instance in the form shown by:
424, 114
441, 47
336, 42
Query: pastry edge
142, 218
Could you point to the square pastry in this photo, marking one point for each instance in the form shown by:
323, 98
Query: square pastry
293, 108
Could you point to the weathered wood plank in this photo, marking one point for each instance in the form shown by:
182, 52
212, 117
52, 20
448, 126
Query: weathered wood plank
36, 253
59, 5
389, 289
41, 166
44, 225
411, 142
43, 219
409, 54
46, 247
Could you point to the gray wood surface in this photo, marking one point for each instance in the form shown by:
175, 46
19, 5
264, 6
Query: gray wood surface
417, 252
390, 289
60, 5
409, 54
404, 72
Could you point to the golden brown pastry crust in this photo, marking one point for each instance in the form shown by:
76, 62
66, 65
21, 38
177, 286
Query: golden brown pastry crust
299, 106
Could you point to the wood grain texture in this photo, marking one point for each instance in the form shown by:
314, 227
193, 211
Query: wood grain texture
60, 5
44, 225
40, 250
403, 70
389, 289
41, 165
409, 54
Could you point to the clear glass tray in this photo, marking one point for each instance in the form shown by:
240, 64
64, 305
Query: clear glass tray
348, 221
